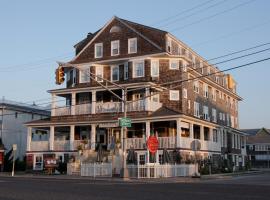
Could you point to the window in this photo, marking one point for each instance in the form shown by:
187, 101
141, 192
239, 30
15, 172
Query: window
98, 50
196, 109
142, 159
154, 68
215, 135
115, 48
174, 64
220, 116
185, 93
155, 97
99, 73
85, 75
214, 115
16, 115
214, 95
205, 113
205, 90
38, 165
189, 104
174, 95
228, 119
115, 73
196, 86
132, 45
232, 121
138, 68
184, 66
126, 71
217, 79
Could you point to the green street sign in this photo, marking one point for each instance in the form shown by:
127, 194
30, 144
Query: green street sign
125, 122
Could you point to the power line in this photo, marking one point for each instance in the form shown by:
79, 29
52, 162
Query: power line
173, 82
183, 12
211, 16
197, 12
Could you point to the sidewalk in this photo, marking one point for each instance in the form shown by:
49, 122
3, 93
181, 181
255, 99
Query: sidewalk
229, 175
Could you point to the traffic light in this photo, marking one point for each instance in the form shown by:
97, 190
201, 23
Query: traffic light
59, 75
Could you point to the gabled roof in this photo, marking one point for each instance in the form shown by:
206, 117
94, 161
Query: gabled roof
143, 31
164, 111
257, 135
255, 131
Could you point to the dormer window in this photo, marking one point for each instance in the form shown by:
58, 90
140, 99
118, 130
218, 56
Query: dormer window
169, 45
115, 46
98, 50
132, 45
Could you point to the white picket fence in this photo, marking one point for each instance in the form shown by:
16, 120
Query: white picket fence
96, 169
161, 171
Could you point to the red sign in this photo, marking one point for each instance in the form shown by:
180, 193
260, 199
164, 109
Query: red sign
152, 144
1, 158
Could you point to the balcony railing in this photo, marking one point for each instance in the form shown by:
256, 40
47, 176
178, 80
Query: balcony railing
83, 109
61, 145
39, 146
108, 107
61, 111
136, 105
166, 142
136, 143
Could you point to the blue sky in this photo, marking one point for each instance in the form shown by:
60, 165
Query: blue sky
35, 34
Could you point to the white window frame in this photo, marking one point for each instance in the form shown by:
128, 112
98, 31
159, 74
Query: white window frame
126, 71
169, 45
112, 68
130, 40
100, 70
205, 91
96, 46
214, 115
205, 113
85, 75
196, 109
155, 63
134, 75
184, 93
196, 86
171, 62
115, 42
184, 66
174, 95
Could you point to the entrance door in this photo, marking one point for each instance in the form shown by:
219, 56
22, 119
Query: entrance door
101, 137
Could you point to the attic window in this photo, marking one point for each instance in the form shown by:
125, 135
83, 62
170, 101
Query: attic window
115, 29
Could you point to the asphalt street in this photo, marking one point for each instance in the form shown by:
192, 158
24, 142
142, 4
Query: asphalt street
235, 188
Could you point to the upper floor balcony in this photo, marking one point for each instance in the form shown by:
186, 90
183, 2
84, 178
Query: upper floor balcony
83, 102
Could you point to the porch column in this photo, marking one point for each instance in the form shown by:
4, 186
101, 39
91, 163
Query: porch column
201, 133
73, 103
191, 132
29, 138
211, 136
93, 136
147, 132
51, 138
147, 99
93, 110
53, 106
71, 137
178, 133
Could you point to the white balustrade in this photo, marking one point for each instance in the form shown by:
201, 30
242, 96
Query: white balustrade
166, 142
108, 107
39, 146
136, 105
136, 143
85, 144
84, 108
61, 111
61, 145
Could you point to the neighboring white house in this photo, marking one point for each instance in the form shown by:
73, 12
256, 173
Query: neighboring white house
13, 115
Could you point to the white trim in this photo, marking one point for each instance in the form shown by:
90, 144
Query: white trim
170, 64
86, 74
184, 93
99, 45
112, 67
133, 68
115, 42
102, 73
152, 66
174, 95
136, 45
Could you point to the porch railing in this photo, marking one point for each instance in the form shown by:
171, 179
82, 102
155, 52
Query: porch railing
83, 109
136, 105
86, 144
108, 107
39, 146
61, 111
61, 145
136, 143
167, 142
161, 171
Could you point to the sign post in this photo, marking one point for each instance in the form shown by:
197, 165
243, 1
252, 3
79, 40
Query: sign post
14, 148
